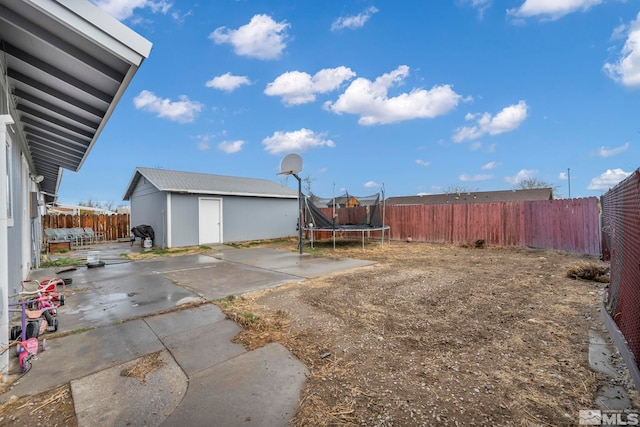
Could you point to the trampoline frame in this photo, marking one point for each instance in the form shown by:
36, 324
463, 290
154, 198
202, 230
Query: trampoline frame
349, 228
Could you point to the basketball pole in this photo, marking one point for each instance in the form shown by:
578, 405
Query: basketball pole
300, 244
292, 165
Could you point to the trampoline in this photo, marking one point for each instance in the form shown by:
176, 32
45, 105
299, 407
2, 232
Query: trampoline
315, 220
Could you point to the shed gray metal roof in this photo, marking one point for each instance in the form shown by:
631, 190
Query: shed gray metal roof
67, 64
474, 197
202, 183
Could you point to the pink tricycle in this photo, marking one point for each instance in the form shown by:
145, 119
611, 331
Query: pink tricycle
33, 323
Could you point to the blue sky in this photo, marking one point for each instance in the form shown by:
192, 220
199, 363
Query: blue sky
417, 96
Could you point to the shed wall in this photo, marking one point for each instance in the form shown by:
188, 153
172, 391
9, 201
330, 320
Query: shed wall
243, 218
184, 220
149, 207
256, 218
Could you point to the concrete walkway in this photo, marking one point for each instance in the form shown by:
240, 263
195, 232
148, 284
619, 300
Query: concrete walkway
122, 320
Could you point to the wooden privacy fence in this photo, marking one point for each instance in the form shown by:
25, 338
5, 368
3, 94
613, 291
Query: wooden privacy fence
114, 227
570, 225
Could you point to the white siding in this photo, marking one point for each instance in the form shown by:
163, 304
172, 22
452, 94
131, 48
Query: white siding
18, 242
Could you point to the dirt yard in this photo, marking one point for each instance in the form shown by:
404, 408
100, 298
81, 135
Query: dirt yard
438, 335
429, 335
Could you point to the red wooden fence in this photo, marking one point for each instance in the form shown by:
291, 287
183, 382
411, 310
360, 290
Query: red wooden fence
570, 225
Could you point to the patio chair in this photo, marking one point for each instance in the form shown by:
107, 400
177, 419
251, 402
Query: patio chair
68, 235
62, 234
78, 235
94, 236
51, 235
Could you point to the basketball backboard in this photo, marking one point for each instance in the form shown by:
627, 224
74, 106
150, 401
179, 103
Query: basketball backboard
291, 164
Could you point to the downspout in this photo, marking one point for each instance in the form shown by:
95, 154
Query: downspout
5, 120
167, 223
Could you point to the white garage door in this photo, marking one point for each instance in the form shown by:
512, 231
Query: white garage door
210, 220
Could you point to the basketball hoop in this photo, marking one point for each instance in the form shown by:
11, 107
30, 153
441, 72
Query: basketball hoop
291, 164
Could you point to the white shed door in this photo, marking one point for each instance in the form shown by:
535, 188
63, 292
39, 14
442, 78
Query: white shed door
210, 220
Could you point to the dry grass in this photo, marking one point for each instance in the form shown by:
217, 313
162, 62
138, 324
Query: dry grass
584, 270
143, 367
435, 335
51, 408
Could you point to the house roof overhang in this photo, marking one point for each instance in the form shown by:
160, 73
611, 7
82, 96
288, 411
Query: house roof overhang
65, 65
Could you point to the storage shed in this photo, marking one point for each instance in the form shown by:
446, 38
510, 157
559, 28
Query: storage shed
188, 209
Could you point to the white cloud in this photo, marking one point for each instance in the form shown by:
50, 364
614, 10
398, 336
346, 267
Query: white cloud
522, 175
475, 146
353, 22
123, 9
626, 69
479, 5
563, 176
423, 162
228, 82
181, 17
607, 180
473, 178
619, 32
491, 166
296, 87
492, 148
371, 184
261, 38
182, 111
608, 152
510, 118
370, 100
204, 142
231, 146
296, 141
551, 9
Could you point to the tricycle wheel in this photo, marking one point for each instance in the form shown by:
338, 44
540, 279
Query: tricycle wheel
15, 332
52, 322
26, 365
33, 330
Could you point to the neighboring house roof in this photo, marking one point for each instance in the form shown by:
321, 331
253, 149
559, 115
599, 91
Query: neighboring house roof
344, 200
67, 65
202, 183
474, 197
60, 208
